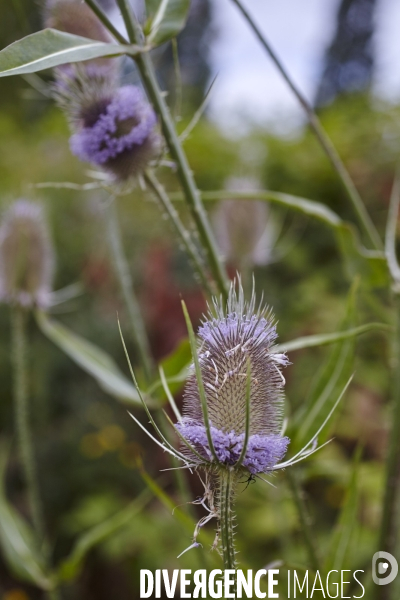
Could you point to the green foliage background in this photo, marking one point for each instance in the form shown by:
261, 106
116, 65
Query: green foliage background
88, 448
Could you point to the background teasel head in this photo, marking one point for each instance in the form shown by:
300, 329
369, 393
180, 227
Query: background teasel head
118, 132
243, 388
113, 127
245, 229
26, 256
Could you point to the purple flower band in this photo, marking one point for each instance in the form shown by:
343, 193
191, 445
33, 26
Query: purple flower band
263, 451
106, 139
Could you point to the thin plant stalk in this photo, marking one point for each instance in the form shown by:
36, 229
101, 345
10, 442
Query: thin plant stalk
19, 356
192, 196
22, 417
389, 529
178, 80
126, 284
321, 135
183, 233
309, 540
389, 526
227, 484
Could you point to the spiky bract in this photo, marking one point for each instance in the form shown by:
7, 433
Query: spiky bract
26, 256
235, 343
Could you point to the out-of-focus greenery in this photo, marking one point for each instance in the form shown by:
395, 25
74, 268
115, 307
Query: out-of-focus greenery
88, 449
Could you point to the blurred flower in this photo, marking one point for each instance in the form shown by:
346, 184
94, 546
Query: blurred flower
230, 341
26, 256
75, 17
114, 127
122, 139
245, 231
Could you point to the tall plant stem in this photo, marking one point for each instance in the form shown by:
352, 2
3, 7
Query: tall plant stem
192, 196
321, 135
23, 426
304, 519
227, 483
389, 527
126, 284
183, 233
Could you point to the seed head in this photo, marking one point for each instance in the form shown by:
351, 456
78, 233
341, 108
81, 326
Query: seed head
118, 132
26, 256
235, 343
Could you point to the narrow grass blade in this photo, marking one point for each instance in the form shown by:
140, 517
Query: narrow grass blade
247, 423
200, 383
198, 114
391, 228
175, 454
324, 339
328, 383
347, 521
90, 358
17, 540
148, 413
71, 566
315, 436
169, 395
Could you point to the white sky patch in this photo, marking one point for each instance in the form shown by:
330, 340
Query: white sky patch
250, 91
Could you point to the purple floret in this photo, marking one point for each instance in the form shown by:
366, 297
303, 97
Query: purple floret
262, 454
127, 121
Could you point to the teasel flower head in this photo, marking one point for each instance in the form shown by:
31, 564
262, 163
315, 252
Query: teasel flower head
242, 387
75, 17
232, 415
114, 128
26, 256
122, 136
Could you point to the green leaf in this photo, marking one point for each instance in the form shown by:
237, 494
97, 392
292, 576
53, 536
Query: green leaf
176, 366
168, 21
324, 339
151, 8
370, 265
328, 383
50, 48
17, 540
340, 540
70, 568
91, 359
311, 208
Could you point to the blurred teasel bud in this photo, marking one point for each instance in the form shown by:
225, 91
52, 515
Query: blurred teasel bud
26, 256
75, 17
244, 229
